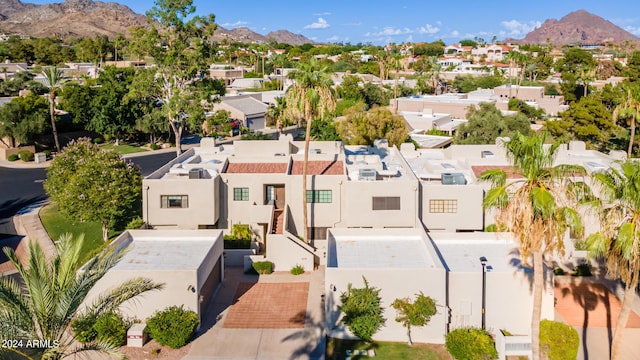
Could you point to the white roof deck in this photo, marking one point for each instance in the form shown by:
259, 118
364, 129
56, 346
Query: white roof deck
166, 250
384, 164
380, 249
461, 252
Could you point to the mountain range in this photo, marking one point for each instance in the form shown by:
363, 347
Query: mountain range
577, 27
87, 18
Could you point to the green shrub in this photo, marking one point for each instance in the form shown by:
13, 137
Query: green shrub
263, 267
98, 140
362, 310
231, 242
26, 155
297, 270
107, 137
558, 271
558, 341
173, 326
111, 328
241, 231
13, 157
135, 223
47, 153
83, 329
470, 344
582, 270
155, 146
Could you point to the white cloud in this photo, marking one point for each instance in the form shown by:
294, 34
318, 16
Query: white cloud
334, 38
236, 24
391, 31
516, 28
326, 13
320, 24
634, 30
428, 29
409, 38
453, 34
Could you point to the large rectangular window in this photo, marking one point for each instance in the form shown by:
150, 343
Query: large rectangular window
319, 196
174, 201
386, 203
241, 194
443, 206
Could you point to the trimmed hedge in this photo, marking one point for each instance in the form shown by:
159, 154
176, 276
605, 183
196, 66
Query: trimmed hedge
111, 328
558, 341
263, 267
13, 157
470, 344
83, 329
26, 155
135, 223
173, 326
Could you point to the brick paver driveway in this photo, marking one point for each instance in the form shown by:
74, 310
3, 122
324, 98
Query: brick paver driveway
590, 305
268, 306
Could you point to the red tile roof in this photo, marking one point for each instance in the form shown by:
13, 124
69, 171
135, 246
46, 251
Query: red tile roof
318, 168
257, 168
510, 170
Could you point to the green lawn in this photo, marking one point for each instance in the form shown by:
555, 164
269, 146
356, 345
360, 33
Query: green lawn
123, 149
337, 350
56, 224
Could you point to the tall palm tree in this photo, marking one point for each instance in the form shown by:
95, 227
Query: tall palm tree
53, 79
53, 292
629, 109
619, 239
535, 208
310, 97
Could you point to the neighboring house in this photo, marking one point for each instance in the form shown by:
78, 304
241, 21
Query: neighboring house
457, 49
456, 105
227, 73
8, 69
532, 95
421, 122
246, 109
492, 52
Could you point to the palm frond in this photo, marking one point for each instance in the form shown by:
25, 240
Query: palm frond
115, 297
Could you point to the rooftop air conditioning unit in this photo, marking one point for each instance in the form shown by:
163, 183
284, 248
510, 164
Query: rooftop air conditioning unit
368, 174
487, 154
195, 173
315, 151
453, 179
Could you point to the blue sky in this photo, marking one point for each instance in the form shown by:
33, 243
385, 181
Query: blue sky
380, 22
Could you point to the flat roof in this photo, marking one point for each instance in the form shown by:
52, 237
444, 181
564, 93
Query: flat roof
381, 252
165, 254
461, 252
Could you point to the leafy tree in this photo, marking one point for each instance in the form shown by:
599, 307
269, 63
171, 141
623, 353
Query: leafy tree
310, 97
470, 344
364, 127
618, 241
22, 119
90, 184
53, 79
77, 100
350, 88
486, 124
416, 313
587, 120
374, 95
324, 131
50, 295
535, 208
175, 39
114, 112
527, 110
468, 42
468, 83
632, 72
362, 310
629, 110
559, 341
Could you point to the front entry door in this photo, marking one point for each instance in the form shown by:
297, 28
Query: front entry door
275, 193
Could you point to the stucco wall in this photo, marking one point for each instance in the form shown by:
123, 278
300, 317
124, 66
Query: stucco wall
203, 202
393, 283
469, 213
358, 203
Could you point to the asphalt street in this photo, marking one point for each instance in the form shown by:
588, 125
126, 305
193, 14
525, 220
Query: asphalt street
22, 187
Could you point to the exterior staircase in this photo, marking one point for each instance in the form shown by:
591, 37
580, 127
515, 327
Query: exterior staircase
278, 222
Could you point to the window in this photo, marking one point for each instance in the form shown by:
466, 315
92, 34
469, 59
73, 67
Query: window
174, 201
386, 203
318, 233
319, 196
443, 206
241, 194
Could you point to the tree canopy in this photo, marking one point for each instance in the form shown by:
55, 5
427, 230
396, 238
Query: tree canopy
364, 127
22, 119
486, 123
90, 184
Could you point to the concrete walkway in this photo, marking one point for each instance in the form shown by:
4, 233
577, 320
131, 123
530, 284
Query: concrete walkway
219, 342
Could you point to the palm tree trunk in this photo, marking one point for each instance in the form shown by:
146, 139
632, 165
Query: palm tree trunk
633, 134
52, 112
625, 310
305, 214
538, 288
